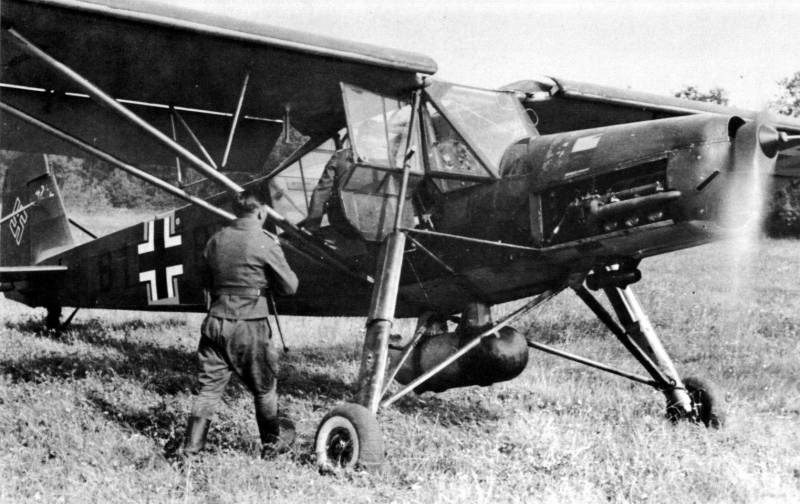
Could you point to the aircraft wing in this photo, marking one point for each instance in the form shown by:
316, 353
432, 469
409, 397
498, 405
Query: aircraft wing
154, 56
564, 105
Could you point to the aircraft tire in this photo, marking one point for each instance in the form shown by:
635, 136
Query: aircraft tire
705, 402
349, 437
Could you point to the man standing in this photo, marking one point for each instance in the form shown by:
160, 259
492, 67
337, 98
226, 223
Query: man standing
242, 266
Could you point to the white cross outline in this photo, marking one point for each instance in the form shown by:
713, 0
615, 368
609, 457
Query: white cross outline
172, 272
150, 278
149, 238
170, 238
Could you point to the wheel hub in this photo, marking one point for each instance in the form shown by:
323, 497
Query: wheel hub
340, 446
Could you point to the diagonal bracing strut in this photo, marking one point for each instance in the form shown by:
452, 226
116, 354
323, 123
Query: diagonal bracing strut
122, 165
321, 252
534, 302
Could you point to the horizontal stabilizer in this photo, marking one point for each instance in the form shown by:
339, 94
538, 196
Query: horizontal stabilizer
19, 273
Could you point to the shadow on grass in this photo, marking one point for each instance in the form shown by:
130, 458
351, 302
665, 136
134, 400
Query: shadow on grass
448, 413
158, 422
161, 369
36, 325
32, 325
168, 370
297, 376
566, 330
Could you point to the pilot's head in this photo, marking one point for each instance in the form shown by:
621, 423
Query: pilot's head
250, 204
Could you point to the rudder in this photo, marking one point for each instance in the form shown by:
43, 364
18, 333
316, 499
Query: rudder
34, 222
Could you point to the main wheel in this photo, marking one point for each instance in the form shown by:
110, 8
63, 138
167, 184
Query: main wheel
349, 437
705, 402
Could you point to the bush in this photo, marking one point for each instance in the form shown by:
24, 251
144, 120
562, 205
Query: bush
90, 186
783, 214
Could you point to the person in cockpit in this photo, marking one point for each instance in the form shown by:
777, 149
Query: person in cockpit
339, 164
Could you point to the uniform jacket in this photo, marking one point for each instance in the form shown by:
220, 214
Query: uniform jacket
240, 256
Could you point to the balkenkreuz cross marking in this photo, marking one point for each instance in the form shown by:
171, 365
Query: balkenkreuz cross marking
160, 261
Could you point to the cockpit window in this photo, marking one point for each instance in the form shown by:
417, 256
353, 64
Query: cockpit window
378, 127
292, 188
451, 162
490, 121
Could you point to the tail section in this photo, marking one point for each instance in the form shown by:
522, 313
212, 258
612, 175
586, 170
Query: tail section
33, 223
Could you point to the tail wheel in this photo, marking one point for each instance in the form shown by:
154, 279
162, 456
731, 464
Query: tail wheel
53, 319
706, 406
349, 437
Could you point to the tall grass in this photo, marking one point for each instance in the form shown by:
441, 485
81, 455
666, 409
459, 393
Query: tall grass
84, 417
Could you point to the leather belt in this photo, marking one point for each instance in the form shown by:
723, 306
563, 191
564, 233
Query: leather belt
241, 291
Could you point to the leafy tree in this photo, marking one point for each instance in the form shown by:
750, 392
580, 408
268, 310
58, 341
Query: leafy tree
783, 214
788, 100
90, 185
713, 95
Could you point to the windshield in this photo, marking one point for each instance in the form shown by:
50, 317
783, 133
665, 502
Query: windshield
378, 127
489, 120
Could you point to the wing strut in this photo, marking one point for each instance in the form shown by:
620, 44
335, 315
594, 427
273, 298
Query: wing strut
174, 130
105, 99
235, 121
325, 254
108, 158
136, 172
194, 138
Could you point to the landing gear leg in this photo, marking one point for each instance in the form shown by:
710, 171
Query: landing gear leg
689, 399
349, 435
638, 327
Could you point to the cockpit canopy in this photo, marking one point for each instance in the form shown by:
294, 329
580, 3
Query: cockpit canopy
454, 135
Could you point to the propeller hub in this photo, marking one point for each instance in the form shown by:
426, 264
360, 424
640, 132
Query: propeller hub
769, 139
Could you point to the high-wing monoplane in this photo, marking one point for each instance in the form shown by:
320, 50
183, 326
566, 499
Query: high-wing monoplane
457, 199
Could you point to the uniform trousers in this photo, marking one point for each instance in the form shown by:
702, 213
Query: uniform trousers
243, 347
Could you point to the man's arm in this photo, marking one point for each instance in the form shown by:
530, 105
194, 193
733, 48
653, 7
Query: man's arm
284, 280
206, 277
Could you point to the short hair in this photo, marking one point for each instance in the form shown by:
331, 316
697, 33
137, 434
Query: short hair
248, 202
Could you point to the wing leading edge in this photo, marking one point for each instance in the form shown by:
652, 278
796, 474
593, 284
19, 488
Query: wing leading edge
156, 54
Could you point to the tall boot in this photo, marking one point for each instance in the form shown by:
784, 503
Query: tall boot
277, 434
196, 432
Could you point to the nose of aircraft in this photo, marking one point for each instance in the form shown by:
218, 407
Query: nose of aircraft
755, 148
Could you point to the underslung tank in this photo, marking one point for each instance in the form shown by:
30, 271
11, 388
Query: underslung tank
498, 357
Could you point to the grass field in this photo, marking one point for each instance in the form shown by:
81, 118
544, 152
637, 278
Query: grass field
84, 417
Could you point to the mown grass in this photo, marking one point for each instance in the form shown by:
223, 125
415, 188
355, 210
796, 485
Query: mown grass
84, 417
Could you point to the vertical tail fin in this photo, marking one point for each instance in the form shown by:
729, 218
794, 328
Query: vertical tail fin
34, 223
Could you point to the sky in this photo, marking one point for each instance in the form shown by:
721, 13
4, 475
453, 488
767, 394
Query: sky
657, 46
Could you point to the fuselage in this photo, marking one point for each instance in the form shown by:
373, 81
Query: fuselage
565, 204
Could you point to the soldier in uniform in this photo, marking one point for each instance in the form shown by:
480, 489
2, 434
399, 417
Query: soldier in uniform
242, 266
338, 165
